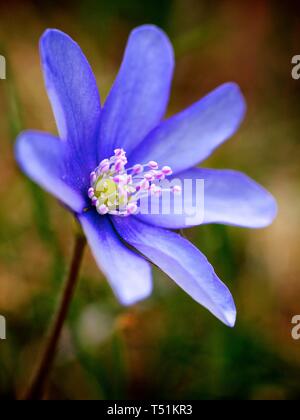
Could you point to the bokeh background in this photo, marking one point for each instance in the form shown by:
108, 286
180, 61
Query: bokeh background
167, 347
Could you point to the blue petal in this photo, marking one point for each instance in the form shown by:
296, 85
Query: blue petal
41, 157
74, 96
184, 263
140, 94
128, 273
230, 197
191, 136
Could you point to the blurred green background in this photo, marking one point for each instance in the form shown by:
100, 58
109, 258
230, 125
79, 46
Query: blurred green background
167, 347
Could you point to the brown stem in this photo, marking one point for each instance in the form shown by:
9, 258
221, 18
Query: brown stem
37, 387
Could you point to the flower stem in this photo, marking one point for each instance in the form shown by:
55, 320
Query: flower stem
37, 387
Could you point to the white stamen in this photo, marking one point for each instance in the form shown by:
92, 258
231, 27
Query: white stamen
115, 190
153, 165
103, 209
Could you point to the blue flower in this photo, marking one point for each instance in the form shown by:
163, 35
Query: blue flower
108, 160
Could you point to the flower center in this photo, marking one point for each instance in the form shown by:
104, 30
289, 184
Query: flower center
117, 191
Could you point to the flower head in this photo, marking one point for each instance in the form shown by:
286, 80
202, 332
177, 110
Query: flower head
109, 160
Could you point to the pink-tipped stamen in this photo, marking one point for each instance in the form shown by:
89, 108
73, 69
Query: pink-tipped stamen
153, 165
176, 189
103, 209
166, 170
116, 190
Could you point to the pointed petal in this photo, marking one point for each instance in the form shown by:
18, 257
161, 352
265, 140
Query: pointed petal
74, 96
211, 196
41, 157
140, 94
191, 136
184, 263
